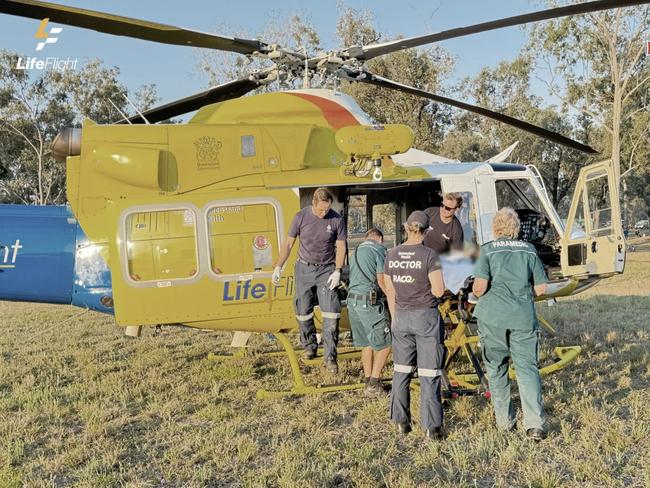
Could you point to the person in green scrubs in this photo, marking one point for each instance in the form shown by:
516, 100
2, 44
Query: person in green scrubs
508, 275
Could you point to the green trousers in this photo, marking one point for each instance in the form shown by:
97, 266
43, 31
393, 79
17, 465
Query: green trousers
499, 344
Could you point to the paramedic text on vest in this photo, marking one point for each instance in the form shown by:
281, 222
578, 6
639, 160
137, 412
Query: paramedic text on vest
507, 272
321, 255
367, 310
413, 281
445, 230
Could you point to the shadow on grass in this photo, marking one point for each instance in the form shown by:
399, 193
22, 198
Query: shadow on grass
614, 333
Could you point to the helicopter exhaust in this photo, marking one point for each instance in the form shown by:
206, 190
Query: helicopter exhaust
66, 143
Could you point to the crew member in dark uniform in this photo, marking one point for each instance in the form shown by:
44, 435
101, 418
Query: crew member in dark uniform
413, 281
321, 256
445, 231
507, 321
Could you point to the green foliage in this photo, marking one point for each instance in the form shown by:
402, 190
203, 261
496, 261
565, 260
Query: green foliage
506, 89
594, 63
290, 30
425, 68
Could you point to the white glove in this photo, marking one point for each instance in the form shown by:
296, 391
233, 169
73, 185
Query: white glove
334, 279
277, 273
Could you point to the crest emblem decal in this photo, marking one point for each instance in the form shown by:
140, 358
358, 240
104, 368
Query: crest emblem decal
207, 153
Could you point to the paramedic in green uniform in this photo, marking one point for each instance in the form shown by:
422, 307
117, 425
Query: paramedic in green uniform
507, 272
368, 311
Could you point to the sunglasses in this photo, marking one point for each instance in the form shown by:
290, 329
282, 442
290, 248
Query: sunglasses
449, 209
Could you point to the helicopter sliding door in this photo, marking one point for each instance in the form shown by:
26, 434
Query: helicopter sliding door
593, 239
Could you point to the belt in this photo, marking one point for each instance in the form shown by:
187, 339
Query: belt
313, 264
354, 296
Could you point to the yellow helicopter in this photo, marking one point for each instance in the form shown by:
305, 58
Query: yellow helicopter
190, 217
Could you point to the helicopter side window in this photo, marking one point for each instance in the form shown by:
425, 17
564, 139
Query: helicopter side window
243, 238
600, 206
362, 215
357, 220
383, 218
161, 245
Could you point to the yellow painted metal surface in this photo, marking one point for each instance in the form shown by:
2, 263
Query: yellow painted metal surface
371, 141
593, 243
193, 215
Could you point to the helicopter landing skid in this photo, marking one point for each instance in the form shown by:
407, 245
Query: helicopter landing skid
299, 387
241, 352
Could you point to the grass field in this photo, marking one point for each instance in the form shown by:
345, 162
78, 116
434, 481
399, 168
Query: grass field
82, 405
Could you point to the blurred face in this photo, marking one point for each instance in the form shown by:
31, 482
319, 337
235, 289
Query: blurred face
448, 208
320, 209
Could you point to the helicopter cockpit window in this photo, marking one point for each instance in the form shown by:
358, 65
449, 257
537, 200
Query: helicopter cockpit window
161, 245
517, 194
536, 227
243, 238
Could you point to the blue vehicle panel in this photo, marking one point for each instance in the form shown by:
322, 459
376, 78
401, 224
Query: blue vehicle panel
46, 257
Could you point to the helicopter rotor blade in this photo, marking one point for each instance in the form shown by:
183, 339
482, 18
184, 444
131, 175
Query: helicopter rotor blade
365, 53
227, 91
129, 27
369, 78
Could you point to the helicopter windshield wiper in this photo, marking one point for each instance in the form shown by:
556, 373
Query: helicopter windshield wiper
129, 27
371, 79
370, 51
227, 91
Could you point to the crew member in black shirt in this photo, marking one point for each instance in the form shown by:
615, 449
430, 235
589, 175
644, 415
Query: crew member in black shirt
322, 234
445, 231
413, 281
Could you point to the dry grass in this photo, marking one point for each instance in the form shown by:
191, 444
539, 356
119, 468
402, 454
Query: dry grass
81, 405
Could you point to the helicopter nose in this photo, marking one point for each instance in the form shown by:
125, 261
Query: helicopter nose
66, 143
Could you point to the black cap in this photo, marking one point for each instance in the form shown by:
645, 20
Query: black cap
418, 217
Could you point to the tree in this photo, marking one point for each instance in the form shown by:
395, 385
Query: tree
33, 110
293, 31
594, 64
506, 89
425, 68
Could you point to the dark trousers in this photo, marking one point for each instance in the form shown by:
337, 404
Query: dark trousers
418, 340
312, 288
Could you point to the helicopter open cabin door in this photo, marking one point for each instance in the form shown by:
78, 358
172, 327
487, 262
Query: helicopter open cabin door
593, 241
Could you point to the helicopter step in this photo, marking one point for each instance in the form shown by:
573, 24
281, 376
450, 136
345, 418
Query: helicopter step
299, 387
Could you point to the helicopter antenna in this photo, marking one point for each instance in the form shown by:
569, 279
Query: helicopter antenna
121, 113
136, 109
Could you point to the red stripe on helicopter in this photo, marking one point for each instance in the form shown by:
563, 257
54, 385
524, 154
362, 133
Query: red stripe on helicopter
336, 115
